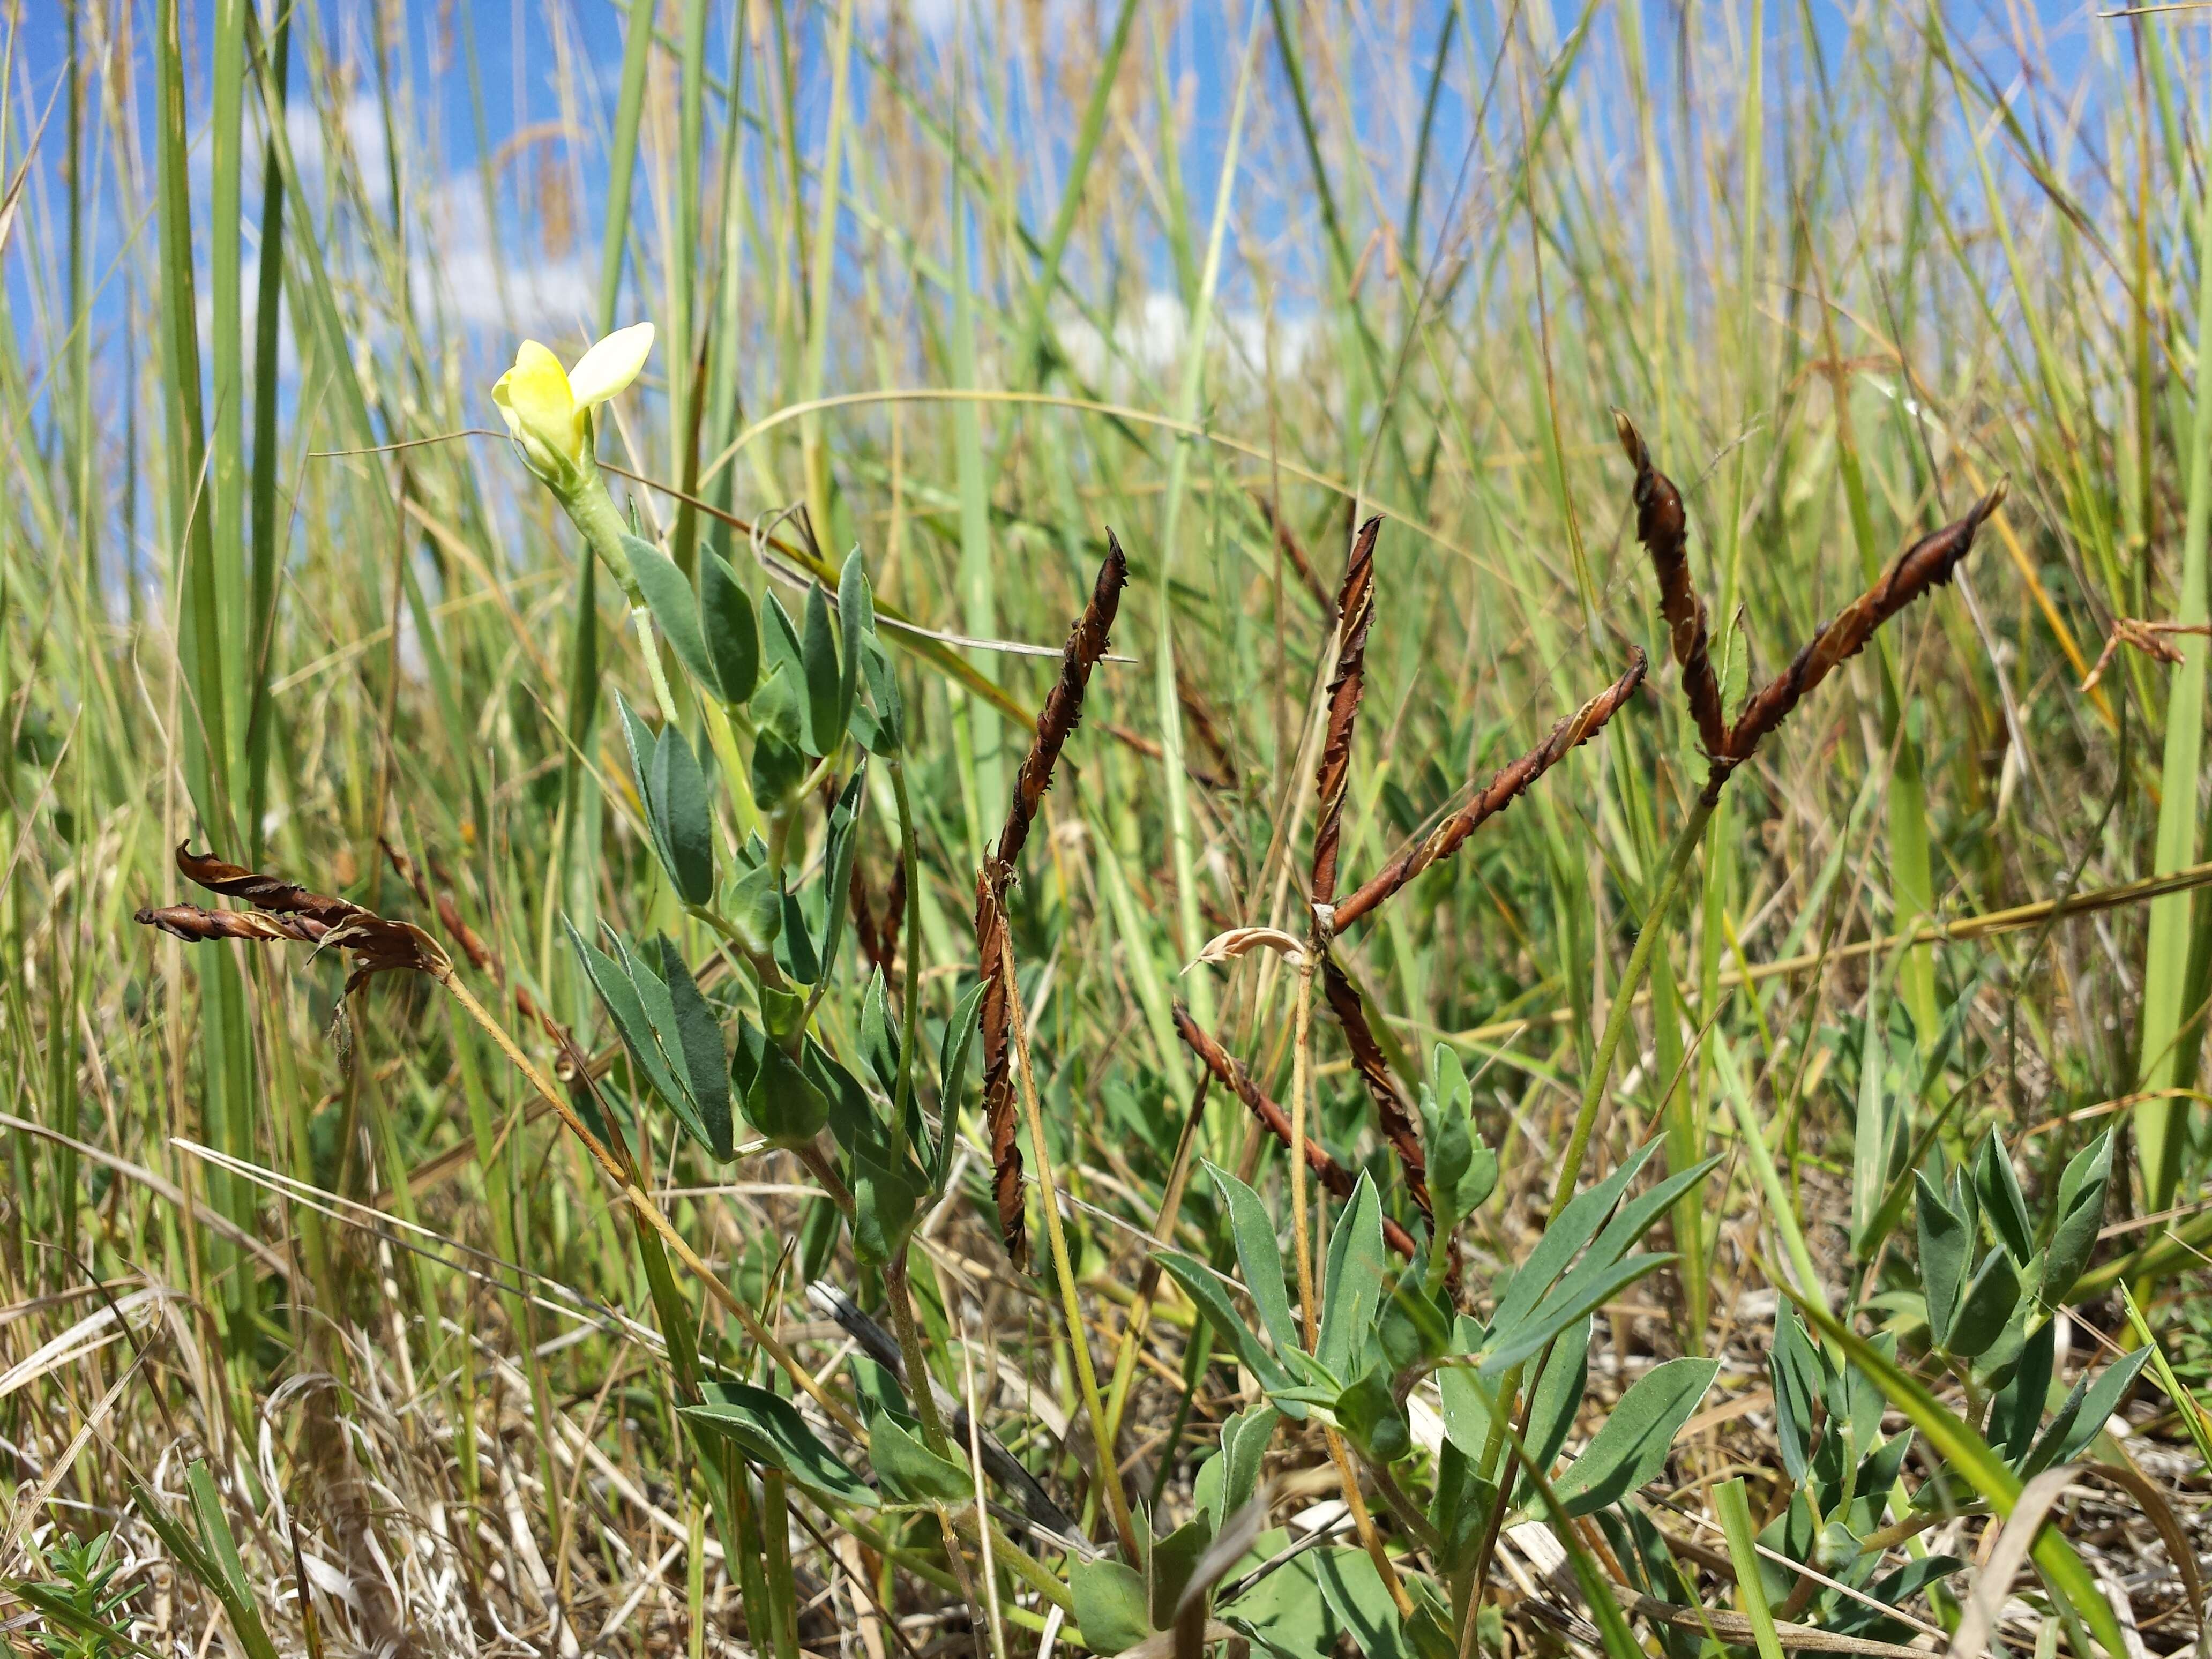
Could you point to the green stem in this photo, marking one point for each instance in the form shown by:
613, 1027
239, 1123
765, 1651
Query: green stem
640, 618
917, 1393
1631, 980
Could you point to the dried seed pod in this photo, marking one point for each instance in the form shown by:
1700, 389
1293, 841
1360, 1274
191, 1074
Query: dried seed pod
996, 1029
1355, 615
1086, 644
261, 891
1063, 708
1375, 1071
1334, 1178
1506, 786
1927, 564
1663, 530
198, 926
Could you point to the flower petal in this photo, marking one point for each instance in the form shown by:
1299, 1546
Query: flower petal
534, 396
610, 365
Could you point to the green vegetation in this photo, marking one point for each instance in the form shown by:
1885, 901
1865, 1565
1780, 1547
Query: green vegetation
1571, 1020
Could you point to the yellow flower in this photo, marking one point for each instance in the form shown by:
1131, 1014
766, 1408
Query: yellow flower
547, 408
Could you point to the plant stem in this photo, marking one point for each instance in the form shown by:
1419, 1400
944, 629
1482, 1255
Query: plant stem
918, 1392
1110, 1471
1631, 979
640, 618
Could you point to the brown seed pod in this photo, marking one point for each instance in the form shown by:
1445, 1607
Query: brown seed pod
1375, 1071
1929, 563
1663, 530
261, 891
1063, 708
1355, 615
1506, 786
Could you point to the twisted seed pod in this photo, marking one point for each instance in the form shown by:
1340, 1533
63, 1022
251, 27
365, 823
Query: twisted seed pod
1663, 530
1506, 786
1063, 708
1367, 1060
1927, 564
1355, 615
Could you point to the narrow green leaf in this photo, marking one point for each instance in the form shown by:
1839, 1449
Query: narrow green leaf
684, 815
674, 610
1944, 1242
1630, 1449
1260, 1256
1987, 1304
769, 1430
1353, 1284
729, 630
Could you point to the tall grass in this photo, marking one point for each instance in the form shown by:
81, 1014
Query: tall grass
968, 286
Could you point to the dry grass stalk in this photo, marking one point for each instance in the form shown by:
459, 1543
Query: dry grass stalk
2147, 637
1063, 708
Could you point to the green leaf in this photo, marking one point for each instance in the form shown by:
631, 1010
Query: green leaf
1355, 1593
767, 1429
756, 907
618, 995
779, 649
1467, 1405
1463, 1172
1576, 1297
1558, 1396
1944, 1242
1576, 1225
1460, 1509
909, 1470
2088, 1406
2017, 1412
1988, 1303
675, 611
1630, 1449
2080, 1210
2001, 1199
1168, 1564
887, 734
1970, 1456
879, 1037
778, 767
1260, 1256
1109, 1605
823, 668
952, 1078
732, 634
779, 1099
1793, 1369
1227, 1480
699, 1043
1206, 1293
1285, 1612
856, 620
1369, 1413
684, 817
842, 844
1352, 1284
886, 1204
